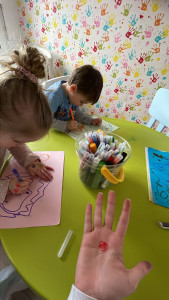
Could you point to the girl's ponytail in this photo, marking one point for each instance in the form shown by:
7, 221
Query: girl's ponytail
31, 60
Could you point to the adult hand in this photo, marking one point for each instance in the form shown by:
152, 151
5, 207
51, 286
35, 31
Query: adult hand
18, 187
102, 274
71, 125
96, 122
38, 169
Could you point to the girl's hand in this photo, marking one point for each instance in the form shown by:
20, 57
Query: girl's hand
16, 187
38, 169
96, 122
71, 125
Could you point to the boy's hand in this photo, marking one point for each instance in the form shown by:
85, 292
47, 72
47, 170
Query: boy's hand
38, 169
16, 187
71, 125
96, 122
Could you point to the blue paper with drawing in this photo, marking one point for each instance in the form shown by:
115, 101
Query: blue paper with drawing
158, 176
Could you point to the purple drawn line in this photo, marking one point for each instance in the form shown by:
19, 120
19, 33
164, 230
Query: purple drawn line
12, 211
22, 213
2, 205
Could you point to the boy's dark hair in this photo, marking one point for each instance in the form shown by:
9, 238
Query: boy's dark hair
89, 82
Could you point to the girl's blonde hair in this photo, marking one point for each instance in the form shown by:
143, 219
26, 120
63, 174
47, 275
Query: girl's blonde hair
24, 108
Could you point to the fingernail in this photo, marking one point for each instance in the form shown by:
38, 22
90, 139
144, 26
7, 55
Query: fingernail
148, 265
128, 201
101, 193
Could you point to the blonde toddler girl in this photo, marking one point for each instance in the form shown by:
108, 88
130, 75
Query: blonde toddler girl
25, 115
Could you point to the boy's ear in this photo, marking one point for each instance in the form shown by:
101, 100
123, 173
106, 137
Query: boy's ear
73, 88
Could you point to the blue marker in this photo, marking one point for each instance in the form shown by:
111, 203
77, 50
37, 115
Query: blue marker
17, 175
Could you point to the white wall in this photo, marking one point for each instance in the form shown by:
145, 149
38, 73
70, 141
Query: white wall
11, 20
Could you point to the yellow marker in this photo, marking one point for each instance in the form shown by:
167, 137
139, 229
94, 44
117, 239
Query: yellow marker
100, 130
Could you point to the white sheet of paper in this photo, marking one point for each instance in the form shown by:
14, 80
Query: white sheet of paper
107, 127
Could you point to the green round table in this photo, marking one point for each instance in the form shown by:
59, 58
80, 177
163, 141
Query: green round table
33, 251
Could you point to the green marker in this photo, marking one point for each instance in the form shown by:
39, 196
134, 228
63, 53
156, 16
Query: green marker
97, 176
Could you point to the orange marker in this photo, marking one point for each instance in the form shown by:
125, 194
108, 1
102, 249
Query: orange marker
93, 147
72, 114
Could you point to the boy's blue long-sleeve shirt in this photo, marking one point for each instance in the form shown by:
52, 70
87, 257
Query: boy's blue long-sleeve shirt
60, 106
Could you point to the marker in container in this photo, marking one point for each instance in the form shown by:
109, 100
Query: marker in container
118, 158
86, 169
84, 145
93, 147
97, 176
92, 171
65, 243
17, 175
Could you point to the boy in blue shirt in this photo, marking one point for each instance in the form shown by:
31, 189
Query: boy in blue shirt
83, 86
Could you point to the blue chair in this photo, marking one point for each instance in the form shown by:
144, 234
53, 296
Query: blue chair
159, 110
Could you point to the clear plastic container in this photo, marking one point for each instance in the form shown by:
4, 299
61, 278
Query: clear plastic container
101, 176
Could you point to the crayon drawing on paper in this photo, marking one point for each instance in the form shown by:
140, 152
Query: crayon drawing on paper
41, 204
82, 128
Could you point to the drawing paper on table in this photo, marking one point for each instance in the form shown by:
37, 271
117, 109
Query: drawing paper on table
158, 176
84, 128
41, 204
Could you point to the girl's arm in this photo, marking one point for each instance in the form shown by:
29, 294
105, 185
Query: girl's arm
4, 184
31, 162
23, 155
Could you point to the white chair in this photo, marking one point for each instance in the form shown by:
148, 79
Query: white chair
48, 83
159, 110
48, 64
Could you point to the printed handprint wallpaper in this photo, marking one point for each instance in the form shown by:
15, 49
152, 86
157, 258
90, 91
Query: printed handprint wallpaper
128, 41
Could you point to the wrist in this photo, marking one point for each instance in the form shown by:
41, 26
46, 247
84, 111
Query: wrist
82, 293
67, 126
87, 289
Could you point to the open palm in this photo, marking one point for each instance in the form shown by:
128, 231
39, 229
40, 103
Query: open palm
102, 274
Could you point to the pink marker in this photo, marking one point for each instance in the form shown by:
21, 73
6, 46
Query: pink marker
117, 158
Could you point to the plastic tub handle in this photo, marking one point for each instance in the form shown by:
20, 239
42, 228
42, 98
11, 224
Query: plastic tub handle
106, 173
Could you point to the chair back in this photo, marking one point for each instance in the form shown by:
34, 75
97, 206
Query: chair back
48, 83
48, 64
159, 110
